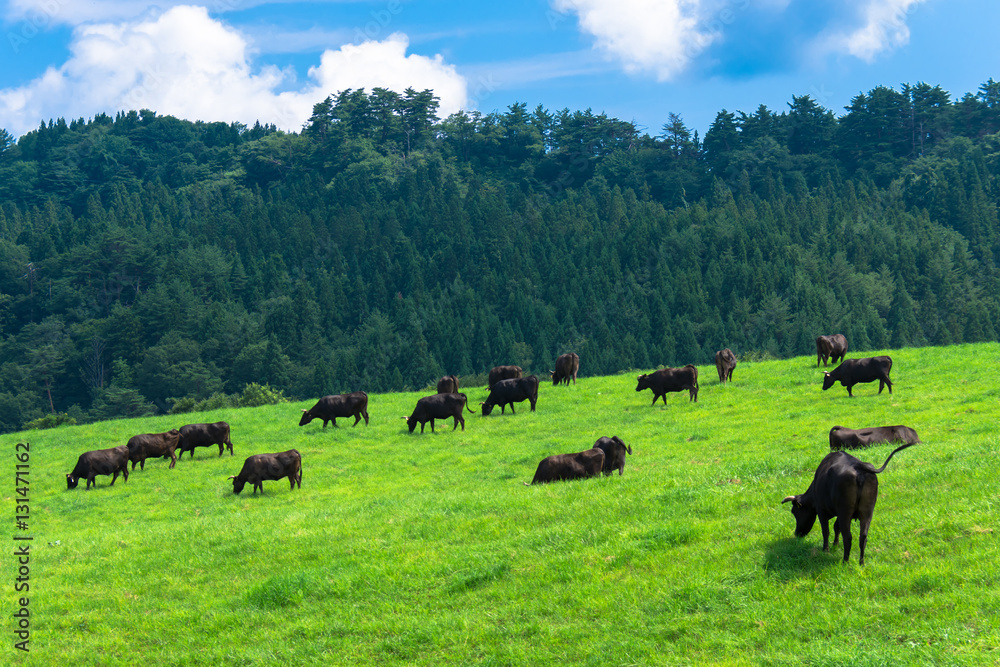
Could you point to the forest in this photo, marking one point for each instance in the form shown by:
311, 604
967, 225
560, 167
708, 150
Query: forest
150, 264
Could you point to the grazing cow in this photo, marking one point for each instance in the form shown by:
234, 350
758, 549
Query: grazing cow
503, 373
856, 371
329, 408
849, 438
204, 435
448, 385
831, 347
843, 488
569, 466
567, 366
99, 462
614, 453
671, 379
261, 467
438, 406
153, 445
725, 363
508, 392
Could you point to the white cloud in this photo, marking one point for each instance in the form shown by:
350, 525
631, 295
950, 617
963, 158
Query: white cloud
658, 36
884, 29
186, 64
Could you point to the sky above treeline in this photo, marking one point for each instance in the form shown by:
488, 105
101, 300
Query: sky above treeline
250, 60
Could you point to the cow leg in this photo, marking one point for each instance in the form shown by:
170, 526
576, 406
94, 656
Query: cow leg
849, 392
365, 413
173, 460
357, 418
512, 409
91, 480
863, 540
825, 526
836, 531
114, 478
845, 528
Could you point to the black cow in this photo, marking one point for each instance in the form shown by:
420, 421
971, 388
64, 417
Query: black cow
614, 453
261, 467
153, 445
508, 392
99, 462
567, 366
831, 347
849, 438
204, 435
329, 408
569, 466
671, 379
856, 371
498, 373
843, 488
438, 406
448, 385
725, 363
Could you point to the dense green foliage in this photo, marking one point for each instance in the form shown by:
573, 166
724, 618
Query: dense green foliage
404, 549
145, 259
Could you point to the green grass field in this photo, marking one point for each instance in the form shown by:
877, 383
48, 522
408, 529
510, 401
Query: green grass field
428, 549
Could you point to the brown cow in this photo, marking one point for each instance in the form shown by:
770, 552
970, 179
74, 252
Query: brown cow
725, 362
833, 347
567, 366
153, 445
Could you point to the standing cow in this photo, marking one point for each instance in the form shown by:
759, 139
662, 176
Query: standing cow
614, 453
671, 379
844, 488
513, 390
831, 347
329, 408
262, 467
498, 373
856, 371
438, 406
725, 363
569, 466
153, 445
204, 435
448, 385
112, 461
567, 366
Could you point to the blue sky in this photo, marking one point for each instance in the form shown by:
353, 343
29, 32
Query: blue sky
633, 59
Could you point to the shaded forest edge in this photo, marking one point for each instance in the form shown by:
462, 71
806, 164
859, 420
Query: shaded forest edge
148, 262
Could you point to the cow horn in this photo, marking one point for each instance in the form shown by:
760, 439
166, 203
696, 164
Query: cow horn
231, 477
304, 410
788, 499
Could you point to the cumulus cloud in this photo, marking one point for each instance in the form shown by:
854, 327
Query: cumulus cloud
883, 29
657, 36
187, 64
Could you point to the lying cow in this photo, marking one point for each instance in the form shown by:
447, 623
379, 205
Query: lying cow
261, 467
498, 373
438, 406
725, 363
569, 466
849, 438
671, 379
844, 488
614, 453
99, 462
509, 392
831, 347
204, 435
856, 371
329, 408
567, 366
448, 385
152, 446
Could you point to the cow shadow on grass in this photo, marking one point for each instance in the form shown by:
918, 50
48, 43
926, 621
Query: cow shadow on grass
794, 557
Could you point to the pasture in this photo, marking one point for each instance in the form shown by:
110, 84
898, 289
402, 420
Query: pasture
410, 549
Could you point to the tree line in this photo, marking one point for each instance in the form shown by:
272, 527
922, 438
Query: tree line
148, 262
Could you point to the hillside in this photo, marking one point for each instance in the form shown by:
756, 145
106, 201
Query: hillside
428, 549
146, 260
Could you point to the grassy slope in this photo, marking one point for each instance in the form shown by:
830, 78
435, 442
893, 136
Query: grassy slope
429, 550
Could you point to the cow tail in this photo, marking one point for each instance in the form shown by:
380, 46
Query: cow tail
890, 456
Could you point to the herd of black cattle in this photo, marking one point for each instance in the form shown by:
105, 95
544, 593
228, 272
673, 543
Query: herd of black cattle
844, 488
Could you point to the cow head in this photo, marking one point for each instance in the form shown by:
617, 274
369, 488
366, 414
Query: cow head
827, 381
643, 383
487, 408
804, 512
238, 483
71, 481
411, 422
306, 418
